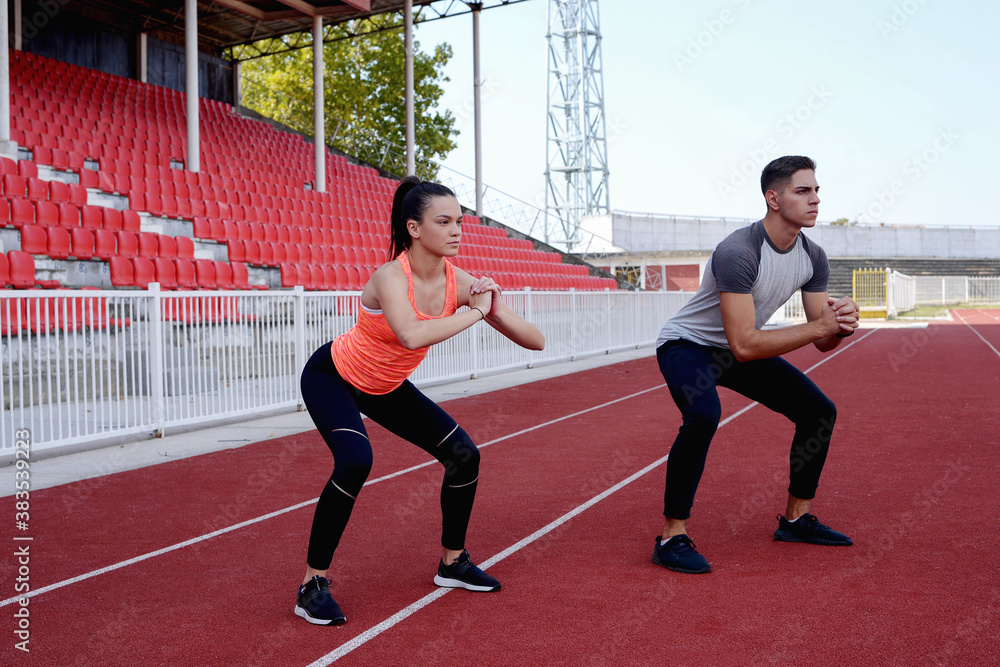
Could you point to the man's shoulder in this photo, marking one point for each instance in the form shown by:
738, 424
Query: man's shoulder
745, 240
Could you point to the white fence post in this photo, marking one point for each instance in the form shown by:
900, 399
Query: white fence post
473, 334
607, 315
528, 317
299, 327
156, 357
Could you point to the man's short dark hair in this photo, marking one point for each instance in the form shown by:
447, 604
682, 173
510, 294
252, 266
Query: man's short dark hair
778, 173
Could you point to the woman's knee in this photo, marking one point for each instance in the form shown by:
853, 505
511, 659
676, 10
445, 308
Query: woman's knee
352, 456
461, 456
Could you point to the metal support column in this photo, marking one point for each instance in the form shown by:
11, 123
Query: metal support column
191, 84
6, 145
319, 111
411, 130
477, 108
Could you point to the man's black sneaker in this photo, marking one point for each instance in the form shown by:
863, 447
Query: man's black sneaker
678, 554
807, 528
464, 574
315, 604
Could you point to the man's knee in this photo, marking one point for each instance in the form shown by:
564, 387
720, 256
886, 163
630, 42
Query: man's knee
702, 417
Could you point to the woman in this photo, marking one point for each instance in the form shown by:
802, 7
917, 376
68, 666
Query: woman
408, 305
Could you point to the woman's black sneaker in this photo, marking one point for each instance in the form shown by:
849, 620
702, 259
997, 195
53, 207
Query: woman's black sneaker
807, 528
678, 554
464, 574
315, 604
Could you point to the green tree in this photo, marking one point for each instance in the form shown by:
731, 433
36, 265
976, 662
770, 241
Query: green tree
364, 99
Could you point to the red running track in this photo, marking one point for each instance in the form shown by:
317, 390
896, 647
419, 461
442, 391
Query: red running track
912, 477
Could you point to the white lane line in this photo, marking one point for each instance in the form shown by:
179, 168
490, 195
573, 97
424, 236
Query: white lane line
977, 333
271, 515
403, 614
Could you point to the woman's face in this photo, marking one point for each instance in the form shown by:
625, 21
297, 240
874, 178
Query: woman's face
440, 230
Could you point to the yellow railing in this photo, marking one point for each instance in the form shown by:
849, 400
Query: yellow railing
870, 292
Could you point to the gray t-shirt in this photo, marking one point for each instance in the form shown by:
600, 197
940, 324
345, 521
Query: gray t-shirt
747, 262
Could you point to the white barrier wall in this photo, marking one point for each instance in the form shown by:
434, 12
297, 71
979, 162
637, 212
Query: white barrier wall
648, 232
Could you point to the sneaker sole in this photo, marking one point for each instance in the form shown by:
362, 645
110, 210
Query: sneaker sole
300, 611
780, 536
685, 570
446, 582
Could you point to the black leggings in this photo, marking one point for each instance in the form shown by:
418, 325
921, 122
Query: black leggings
336, 406
692, 373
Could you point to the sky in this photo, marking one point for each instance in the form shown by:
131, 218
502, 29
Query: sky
898, 102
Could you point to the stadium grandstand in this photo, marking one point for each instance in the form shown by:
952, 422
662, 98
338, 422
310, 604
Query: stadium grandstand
103, 182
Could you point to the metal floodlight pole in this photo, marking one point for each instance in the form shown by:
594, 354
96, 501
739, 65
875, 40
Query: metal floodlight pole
576, 165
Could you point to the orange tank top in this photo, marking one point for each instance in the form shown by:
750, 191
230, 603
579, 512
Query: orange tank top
370, 357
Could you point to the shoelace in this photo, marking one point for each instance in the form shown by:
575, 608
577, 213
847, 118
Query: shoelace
684, 545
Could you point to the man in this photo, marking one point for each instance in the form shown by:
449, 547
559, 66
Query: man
717, 339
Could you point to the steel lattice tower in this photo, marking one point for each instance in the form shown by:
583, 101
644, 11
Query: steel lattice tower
576, 150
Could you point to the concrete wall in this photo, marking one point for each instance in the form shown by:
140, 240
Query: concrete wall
638, 233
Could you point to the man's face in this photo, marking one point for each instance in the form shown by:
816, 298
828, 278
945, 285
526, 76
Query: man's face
798, 202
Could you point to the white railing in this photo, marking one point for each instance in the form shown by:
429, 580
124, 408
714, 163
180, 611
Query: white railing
790, 312
86, 367
908, 292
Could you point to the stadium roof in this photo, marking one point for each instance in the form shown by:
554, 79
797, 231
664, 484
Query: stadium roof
228, 23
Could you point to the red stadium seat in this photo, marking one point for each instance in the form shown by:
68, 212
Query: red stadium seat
47, 213
59, 243
77, 194
224, 275
131, 220
185, 247
251, 252
90, 179
69, 215
105, 244
58, 192
186, 275
128, 244
168, 246
14, 187
37, 189
82, 243
4, 213
166, 272
91, 217
112, 219
235, 250
143, 272
121, 271
22, 271
205, 273
241, 276
34, 239
8, 166
5, 272
289, 275
149, 244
